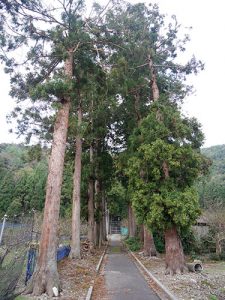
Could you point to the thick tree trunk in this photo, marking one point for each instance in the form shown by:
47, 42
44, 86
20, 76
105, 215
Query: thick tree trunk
149, 245
91, 220
75, 243
174, 252
141, 233
103, 218
107, 221
131, 222
100, 239
46, 275
97, 208
218, 245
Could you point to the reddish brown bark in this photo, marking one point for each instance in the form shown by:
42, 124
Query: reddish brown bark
174, 252
141, 233
149, 245
104, 238
97, 207
75, 242
46, 275
91, 205
131, 222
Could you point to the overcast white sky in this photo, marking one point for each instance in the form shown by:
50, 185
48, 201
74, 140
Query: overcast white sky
207, 43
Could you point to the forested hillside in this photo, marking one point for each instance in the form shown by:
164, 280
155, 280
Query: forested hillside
23, 172
23, 175
212, 187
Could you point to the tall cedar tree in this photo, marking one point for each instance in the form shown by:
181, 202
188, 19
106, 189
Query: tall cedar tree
146, 65
49, 42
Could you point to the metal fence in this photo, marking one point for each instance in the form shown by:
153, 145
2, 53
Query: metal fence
15, 237
19, 240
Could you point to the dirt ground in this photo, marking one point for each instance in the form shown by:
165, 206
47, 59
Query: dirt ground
207, 285
100, 291
76, 276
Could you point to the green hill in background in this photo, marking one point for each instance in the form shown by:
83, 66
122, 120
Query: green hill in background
212, 187
23, 173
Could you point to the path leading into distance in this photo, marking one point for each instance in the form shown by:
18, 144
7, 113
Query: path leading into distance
123, 279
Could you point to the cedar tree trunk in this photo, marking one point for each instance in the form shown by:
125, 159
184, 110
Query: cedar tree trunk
97, 207
46, 275
131, 221
91, 205
174, 252
103, 218
149, 245
218, 244
75, 243
141, 233
153, 82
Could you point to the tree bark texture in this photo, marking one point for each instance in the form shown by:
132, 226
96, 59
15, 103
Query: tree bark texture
141, 233
174, 252
131, 222
103, 218
98, 206
149, 245
219, 238
75, 243
153, 82
91, 220
46, 275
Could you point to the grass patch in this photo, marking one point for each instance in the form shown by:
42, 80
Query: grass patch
213, 297
115, 249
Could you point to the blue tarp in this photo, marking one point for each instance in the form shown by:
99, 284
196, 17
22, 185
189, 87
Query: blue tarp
32, 257
124, 230
63, 252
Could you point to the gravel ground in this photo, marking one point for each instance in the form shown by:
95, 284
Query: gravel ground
207, 285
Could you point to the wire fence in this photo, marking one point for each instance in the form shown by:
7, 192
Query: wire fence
19, 243
16, 235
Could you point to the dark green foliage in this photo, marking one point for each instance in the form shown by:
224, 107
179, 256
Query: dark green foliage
67, 188
211, 188
117, 200
163, 200
159, 241
23, 178
189, 241
133, 243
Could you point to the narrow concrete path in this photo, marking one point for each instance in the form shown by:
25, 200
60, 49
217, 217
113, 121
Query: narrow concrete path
123, 279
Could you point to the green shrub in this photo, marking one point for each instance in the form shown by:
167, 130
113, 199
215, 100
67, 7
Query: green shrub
190, 244
213, 297
214, 256
133, 243
222, 256
159, 241
217, 257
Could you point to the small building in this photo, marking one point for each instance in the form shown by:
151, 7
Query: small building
201, 228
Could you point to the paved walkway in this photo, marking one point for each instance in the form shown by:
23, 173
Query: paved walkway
123, 279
